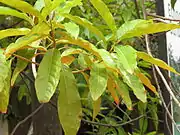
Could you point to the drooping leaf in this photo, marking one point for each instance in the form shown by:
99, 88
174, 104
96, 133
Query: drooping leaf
66, 9
96, 107
85, 23
23, 92
21, 64
48, 75
123, 91
155, 61
140, 27
13, 32
134, 83
69, 105
13, 12
173, 2
98, 80
5, 93
38, 32
111, 85
127, 57
105, 13
72, 29
23, 6
146, 82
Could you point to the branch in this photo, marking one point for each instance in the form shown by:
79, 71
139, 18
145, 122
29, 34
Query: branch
25, 119
162, 17
137, 9
160, 74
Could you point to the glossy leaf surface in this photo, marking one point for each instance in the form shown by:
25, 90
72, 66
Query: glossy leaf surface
48, 75
72, 28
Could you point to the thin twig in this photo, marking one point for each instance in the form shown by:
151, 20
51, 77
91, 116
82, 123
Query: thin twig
25, 59
80, 71
137, 8
25, 119
166, 119
162, 17
159, 73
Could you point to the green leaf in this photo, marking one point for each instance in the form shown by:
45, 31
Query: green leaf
85, 23
140, 27
66, 9
134, 83
23, 92
105, 13
39, 5
13, 12
21, 64
123, 90
38, 32
72, 28
127, 57
13, 32
23, 6
48, 75
96, 107
155, 61
69, 105
98, 80
4, 70
5, 92
173, 2
71, 51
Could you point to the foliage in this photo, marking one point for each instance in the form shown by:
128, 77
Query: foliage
109, 65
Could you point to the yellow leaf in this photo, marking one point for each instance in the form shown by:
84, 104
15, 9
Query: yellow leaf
155, 61
96, 107
67, 60
146, 82
111, 88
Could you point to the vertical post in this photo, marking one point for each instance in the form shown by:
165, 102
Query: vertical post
4, 127
163, 55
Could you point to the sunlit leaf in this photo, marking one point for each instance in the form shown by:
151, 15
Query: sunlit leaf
98, 80
13, 12
69, 105
23, 6
14, 32
155, 61
21, 64
48, 75
38, 32
5, 92
96, 107
140, 27
105, 13
66, 9
39, 4
71, 51
127, 57
72, 29
85, 23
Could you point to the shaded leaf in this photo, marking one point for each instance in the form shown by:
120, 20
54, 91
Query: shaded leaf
111, 85
155, 61
127, 57
14, 32
173, 2
96, 107
21, 64
23, 92
105, 13
98, 80
72, 29
69, 105
140, 27
48, 75
13, 12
